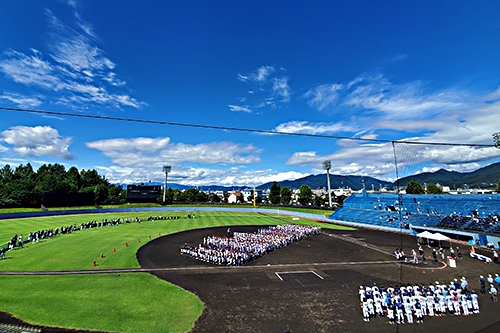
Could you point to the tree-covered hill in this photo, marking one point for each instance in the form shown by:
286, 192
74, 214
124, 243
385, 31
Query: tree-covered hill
24, 187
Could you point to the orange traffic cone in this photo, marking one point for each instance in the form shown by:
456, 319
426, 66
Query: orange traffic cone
126, 244
114, 249
94, 264
138, 240
101, 256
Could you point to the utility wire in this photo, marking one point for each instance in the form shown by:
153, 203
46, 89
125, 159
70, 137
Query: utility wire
238, 129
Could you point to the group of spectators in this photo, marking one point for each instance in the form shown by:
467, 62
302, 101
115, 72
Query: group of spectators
17, 241
493, 286
411, 303
473, 222
244, 247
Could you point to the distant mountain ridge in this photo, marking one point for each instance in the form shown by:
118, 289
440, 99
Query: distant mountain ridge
486, 177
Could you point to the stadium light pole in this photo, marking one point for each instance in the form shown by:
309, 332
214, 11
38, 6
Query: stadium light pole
166, 169
327, 166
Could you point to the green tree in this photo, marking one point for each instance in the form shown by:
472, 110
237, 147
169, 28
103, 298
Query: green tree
319, 200
24, 172
51, 182
202, 197
91, 178
101, 193
305, 195
285, 195
274, 194
433, 189
215, 198
73, 179
498, 187
6, 174
414, 187
116, 195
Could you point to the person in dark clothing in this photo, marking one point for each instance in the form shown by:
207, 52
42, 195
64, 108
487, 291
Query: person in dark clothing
482, 282
435, 255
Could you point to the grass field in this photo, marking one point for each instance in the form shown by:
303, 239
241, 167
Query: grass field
129, 301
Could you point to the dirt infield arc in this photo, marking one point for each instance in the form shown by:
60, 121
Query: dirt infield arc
254, 299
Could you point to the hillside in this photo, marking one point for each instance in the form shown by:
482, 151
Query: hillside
486, 177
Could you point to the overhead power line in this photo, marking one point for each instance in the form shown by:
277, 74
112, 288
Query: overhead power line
225, 128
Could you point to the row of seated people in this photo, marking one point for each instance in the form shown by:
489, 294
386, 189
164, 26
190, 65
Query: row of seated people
472, 223
18, 241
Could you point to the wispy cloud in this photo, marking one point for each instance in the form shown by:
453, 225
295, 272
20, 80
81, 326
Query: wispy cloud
323, 95
76, 67
239, 108
473, 126
260, 75
38, 141
21, 100
374, 94
268, 87
314, 128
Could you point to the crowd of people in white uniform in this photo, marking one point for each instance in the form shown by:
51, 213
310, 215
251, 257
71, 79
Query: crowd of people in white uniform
411, 303
244, 247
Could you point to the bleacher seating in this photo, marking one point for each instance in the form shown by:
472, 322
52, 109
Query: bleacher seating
468, 212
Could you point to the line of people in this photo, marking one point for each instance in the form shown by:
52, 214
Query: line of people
244, 247
17, 241
407, 303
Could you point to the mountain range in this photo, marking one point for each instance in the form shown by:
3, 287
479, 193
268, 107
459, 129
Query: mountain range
486, 177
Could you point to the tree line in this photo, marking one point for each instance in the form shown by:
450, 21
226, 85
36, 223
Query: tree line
414, 187
24, 187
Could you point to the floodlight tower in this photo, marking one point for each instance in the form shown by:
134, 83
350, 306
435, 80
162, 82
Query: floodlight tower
327, 166
166, 169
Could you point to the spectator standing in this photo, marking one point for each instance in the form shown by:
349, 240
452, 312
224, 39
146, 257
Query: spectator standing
495, 257
482, 283
493, 293
497, 280
459, 253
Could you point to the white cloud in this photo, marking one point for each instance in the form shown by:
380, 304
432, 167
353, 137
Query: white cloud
260, 75
239, 108
268, 88
21, 100
313, 128
198, 176
30, 70
281, 89
377, 96
3, 149
323, 95
38, 141
153, 152
141, 159
76, 67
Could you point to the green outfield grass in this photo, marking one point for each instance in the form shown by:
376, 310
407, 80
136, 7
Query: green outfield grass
129, 301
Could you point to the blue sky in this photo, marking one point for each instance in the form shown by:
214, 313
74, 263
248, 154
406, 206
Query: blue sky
388, 70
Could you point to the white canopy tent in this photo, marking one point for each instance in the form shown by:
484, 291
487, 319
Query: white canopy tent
436, 236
